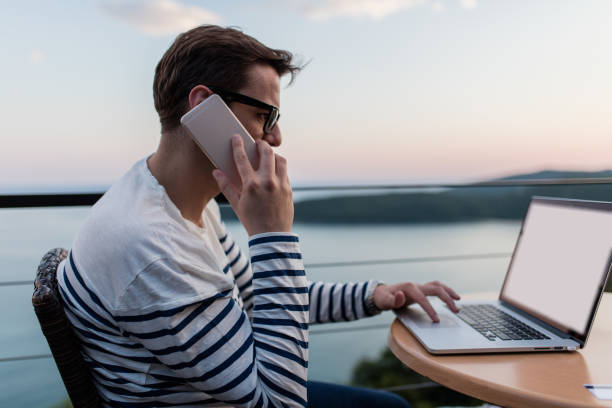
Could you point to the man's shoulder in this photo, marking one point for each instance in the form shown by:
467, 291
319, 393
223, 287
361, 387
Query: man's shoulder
122, 233
139, 265
131, 211
135, 239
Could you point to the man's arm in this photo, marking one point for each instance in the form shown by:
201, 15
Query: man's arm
269, 184
334, 302
339, 302
212, 346
328, 302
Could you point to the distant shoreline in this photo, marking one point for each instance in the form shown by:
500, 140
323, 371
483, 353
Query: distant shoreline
450, 205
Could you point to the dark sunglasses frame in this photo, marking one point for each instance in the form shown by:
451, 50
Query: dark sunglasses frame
229, 96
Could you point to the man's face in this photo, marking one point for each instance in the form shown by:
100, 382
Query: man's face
264, 85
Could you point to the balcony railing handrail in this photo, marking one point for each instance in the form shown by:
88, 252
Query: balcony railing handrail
403, 387
90, 198
364, 262
358, 328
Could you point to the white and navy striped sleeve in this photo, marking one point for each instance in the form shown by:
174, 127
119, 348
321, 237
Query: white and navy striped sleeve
339, 302
329, 302
213, 346
240, 268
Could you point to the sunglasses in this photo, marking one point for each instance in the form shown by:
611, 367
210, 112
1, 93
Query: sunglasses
273, 113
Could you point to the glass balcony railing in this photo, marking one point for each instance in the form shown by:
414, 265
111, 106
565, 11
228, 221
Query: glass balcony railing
460, 234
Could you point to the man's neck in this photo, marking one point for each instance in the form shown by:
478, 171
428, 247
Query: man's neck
185, 173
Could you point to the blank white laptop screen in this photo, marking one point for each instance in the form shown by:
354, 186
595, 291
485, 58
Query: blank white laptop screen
559, 262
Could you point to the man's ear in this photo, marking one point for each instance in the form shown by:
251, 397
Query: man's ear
197, 94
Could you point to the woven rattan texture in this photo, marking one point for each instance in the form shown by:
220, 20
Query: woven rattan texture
59, 333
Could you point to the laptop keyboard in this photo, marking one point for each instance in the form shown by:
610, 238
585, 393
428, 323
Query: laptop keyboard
494, 324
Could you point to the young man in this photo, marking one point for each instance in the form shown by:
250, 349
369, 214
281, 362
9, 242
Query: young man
169, 311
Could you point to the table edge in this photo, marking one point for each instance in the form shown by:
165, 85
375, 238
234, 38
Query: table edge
495, 393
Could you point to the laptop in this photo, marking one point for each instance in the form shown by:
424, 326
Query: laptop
549, 298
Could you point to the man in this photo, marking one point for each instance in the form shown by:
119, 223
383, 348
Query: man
168, 309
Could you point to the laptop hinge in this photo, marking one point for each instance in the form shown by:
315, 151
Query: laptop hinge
537, 321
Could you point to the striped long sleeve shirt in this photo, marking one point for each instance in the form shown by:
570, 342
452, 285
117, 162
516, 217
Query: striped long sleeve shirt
172, 315
328, 302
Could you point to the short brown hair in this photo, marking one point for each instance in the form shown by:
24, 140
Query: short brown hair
213, 56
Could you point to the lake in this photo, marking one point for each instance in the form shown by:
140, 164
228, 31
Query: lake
26, 234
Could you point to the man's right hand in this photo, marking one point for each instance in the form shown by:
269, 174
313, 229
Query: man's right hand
264, 203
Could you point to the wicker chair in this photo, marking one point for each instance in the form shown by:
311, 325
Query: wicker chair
60, 335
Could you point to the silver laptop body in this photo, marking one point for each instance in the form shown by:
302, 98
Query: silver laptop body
553, 285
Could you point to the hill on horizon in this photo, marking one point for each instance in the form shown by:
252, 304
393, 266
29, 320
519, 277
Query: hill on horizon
557, 174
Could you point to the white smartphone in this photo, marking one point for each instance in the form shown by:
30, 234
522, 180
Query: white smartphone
211, 124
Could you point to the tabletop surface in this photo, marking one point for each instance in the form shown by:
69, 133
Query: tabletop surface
545, 379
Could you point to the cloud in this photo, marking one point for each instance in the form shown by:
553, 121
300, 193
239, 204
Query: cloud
160, 17
372, 9
468, 4
438, 6
36, 56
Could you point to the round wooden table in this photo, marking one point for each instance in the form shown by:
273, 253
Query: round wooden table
547, 379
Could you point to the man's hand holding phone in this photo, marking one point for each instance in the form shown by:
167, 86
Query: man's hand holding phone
264, 202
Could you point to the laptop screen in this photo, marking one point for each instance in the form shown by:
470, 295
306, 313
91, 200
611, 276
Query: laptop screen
560, 262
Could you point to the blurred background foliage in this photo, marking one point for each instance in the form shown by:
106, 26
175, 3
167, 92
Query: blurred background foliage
387, 371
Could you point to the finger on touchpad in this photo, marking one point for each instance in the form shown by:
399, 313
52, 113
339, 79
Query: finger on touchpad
423, 320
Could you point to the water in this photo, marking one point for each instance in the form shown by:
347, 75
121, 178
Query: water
26, 234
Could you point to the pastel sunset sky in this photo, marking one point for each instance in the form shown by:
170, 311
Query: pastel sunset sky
394, 91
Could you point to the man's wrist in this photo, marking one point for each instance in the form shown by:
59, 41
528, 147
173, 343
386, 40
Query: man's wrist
369, 305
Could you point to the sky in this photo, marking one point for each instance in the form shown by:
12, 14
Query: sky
394, 91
